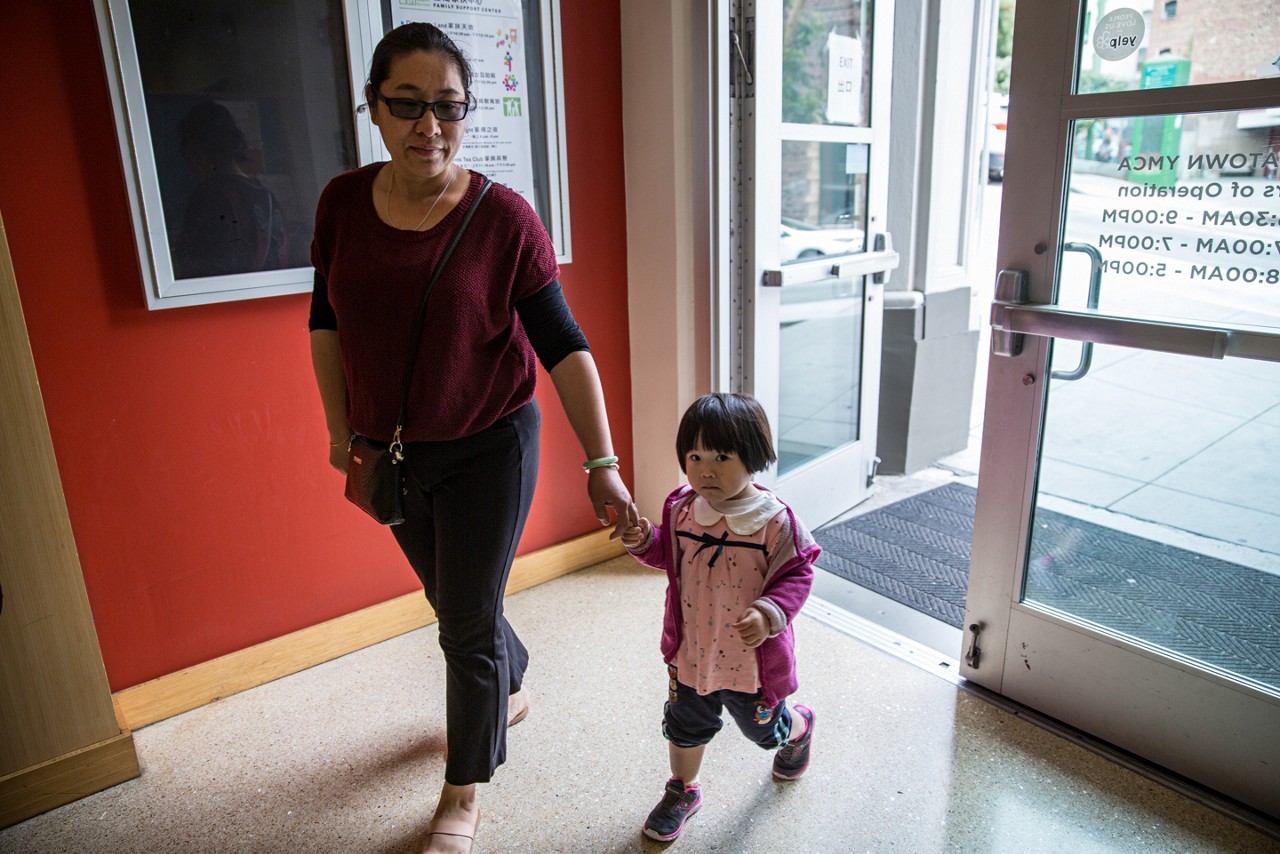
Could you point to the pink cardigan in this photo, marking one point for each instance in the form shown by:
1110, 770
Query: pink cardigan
787, 587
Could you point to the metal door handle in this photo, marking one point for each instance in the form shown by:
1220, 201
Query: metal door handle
1095, 291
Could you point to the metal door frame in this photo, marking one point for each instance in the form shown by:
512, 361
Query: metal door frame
1223, 728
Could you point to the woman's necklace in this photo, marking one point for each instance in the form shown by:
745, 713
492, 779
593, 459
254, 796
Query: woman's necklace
392, 183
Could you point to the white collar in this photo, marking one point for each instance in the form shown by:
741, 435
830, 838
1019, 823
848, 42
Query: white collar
744, 516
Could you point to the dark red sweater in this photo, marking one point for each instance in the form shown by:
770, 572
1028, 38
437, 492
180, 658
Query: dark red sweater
475, 363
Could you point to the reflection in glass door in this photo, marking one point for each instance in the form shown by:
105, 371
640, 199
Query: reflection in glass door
1126, 560
816, 157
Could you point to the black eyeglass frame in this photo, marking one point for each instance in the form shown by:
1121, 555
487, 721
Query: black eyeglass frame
417, 109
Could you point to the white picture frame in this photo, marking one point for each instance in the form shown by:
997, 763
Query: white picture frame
146, 126
148, 158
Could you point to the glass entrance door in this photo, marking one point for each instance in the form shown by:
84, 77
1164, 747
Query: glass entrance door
1126, 560
812, 109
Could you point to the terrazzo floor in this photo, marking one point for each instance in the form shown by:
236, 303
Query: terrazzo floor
347, 757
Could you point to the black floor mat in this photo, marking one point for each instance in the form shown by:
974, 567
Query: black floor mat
916, 551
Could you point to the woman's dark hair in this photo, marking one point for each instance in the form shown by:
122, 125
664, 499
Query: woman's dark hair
728, 423
406, 39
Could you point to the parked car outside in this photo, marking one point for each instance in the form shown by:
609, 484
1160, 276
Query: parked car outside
997, 128
802, 241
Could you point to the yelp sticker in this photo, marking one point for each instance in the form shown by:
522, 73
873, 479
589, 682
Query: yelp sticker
1118, 34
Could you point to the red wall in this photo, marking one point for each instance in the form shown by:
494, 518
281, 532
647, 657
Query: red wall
190, 441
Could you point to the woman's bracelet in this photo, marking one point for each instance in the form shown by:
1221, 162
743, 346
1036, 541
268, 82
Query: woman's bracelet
346, 441
600, 463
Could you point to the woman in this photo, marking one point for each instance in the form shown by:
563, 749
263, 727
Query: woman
471, 436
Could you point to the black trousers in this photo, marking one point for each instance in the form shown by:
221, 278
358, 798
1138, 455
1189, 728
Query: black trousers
466, 506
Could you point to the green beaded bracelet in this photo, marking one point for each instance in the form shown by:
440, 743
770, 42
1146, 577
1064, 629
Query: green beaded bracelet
599, 463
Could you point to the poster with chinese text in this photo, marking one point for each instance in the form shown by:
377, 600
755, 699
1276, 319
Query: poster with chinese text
490, 34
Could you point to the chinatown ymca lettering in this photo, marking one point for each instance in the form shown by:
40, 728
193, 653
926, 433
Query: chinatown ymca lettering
1234, 162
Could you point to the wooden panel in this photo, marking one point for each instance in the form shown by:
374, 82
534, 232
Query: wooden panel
54, 697
203, 683
68, 778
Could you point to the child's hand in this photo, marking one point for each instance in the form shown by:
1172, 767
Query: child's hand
752, 627
634, 535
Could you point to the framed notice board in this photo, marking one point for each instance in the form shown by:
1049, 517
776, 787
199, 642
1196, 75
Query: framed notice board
516, 134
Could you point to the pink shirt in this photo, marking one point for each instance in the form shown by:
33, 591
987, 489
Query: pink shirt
718, 584
786, 586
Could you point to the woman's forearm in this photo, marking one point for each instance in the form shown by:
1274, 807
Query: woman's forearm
326, 361
578, 385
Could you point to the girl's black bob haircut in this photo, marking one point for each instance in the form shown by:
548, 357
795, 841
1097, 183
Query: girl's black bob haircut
728, 423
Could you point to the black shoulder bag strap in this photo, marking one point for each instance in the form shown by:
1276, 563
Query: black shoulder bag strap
397, 447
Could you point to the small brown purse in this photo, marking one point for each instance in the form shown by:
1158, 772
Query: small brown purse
375, 476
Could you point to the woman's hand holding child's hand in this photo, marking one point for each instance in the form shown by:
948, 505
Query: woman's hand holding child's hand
634, 535
752, 627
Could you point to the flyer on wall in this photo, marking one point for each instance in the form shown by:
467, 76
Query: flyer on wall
490, 34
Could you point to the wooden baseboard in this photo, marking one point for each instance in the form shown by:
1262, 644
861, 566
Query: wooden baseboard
238, 671
66, 778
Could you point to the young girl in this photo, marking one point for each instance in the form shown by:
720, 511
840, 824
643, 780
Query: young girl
739, 567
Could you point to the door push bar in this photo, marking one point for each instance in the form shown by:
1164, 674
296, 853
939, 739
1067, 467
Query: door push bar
1012, 318
877, 264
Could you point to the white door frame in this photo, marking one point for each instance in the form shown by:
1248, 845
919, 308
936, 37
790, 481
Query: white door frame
828, 486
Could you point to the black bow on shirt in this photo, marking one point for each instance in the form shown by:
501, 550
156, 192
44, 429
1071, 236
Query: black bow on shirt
718, 542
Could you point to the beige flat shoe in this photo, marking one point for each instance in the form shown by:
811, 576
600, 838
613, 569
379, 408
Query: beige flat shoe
459, 835
517, 707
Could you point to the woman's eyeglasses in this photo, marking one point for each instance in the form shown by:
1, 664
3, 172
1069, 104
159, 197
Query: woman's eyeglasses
408, 108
